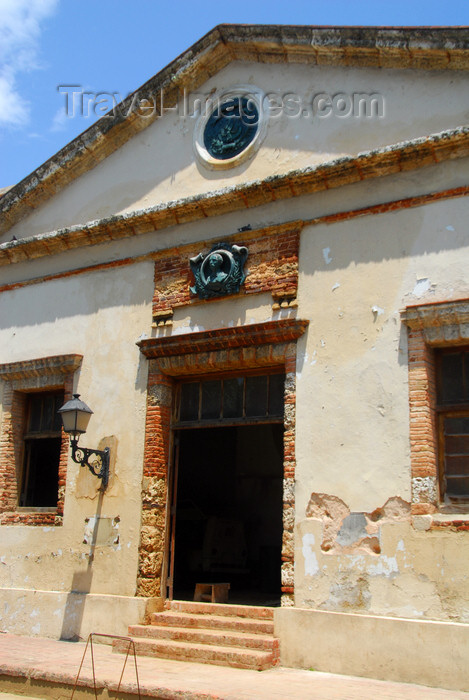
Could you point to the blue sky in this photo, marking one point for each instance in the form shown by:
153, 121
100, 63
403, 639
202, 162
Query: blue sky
116, 45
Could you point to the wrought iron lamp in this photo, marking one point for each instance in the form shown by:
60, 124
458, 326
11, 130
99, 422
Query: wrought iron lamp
75, 418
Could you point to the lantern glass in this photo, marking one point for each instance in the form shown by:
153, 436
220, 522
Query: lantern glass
75, 416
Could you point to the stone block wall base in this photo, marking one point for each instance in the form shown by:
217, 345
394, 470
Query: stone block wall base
425, 652
70, 616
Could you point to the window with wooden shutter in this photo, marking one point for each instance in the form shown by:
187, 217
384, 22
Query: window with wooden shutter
452, 375
42, 444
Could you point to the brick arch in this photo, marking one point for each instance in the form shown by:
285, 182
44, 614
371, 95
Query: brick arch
256, 346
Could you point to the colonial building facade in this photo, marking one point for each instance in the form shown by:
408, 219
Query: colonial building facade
254, 270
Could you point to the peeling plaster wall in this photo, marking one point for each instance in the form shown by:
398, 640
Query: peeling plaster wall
100, 316
357, 548
352, 402
382, 566
53, 580
70, 616
161, 158
355, 354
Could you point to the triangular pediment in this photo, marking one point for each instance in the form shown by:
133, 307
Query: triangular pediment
139, 170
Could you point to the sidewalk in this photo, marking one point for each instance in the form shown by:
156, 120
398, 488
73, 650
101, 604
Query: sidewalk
26, 663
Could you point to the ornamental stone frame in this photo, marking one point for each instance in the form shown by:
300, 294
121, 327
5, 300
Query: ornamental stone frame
430, 326
257, 346
45, 373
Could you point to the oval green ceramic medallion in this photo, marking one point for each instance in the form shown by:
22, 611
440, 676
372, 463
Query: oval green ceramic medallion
231, 127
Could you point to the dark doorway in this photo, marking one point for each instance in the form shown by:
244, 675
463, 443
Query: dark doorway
229, 505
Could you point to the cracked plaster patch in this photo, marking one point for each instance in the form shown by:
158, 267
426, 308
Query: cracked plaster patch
345, 532
311, 561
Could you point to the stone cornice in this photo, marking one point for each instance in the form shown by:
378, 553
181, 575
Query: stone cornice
44, 366
221, 339
390, 160
444, 48
445, 323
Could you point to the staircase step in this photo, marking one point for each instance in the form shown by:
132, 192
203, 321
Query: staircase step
227, 610
240, 636
202, 653
218, 637
220, 622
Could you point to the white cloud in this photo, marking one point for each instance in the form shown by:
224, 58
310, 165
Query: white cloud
13, 108
19, 37
60, 121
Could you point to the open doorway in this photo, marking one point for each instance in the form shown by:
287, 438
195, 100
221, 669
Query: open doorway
227, 525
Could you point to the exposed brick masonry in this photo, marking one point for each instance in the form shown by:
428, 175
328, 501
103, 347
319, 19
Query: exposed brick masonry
10, 447
423, 436
272, 266
155, 482
454, 525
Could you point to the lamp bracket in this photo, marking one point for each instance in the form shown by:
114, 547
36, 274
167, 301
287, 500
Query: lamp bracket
97, 461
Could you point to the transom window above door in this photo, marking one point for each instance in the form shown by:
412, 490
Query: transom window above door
231, 400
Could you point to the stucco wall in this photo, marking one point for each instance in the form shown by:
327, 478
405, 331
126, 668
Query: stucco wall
356, 548
355, 278
446, 175
100, 316
352, 415
409, 651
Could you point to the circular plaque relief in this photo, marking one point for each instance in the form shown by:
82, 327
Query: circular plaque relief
232, 129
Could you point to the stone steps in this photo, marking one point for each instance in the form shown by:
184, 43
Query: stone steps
226, 609
239, 636
201, 653
221, 622
203, 636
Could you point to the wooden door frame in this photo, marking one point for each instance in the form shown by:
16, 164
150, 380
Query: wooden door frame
174, 466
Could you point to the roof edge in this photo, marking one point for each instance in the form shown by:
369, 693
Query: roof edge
421, 48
